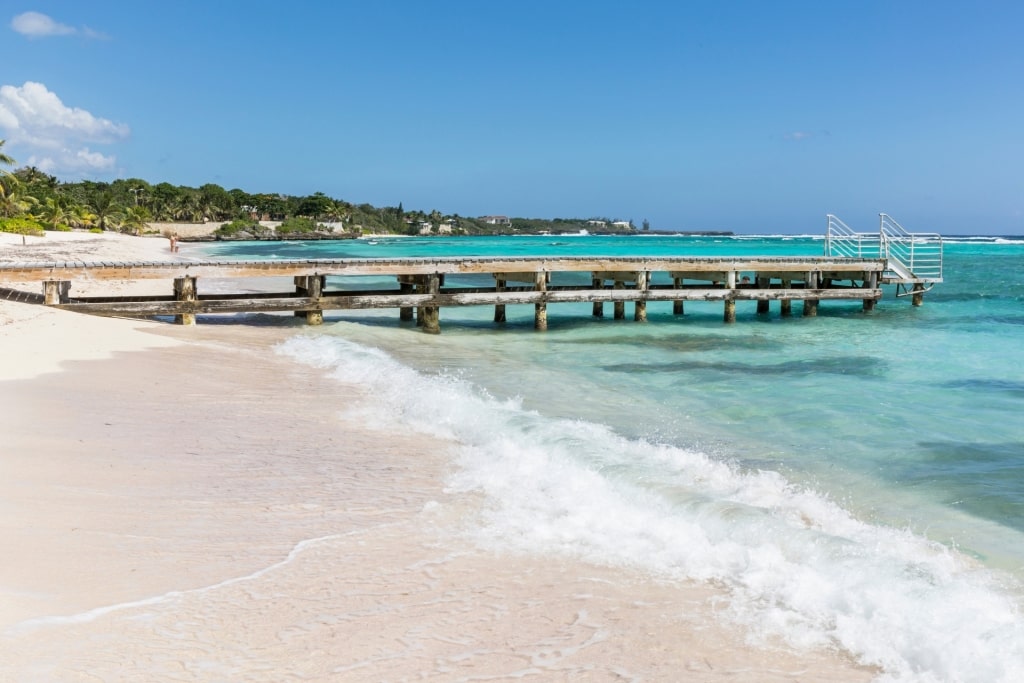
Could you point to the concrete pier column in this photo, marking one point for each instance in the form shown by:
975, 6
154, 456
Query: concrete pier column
598, 283
56, 292
917, 298
677, 306
420, 288
786, 305
619, 306
730, 311
185, 290
762, 304
432, 314
499, 309
405, 312
811, 304
640, 306
311, 286
871, 282
540, 314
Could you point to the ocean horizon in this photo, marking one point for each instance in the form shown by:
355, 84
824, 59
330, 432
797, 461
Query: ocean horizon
854, 481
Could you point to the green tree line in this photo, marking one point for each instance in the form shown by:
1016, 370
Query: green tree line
32, 200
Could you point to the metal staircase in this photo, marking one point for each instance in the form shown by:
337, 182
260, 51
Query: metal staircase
913, 260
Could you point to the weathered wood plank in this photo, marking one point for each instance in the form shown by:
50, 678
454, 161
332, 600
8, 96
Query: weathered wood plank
290, 302
693, 268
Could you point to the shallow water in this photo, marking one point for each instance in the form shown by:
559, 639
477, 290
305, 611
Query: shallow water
853, 479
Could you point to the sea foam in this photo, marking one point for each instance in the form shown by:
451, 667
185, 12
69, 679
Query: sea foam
797, 565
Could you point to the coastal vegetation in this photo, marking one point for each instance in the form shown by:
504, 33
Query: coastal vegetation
33, 200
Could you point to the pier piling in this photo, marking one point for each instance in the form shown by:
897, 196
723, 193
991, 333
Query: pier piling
640, 307
185, 291
540, 315
405, 313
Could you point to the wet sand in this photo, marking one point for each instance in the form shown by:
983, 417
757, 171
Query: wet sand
185, 505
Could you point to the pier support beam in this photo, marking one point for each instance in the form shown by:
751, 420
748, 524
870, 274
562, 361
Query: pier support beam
730, 311
313, 287
619, 306
677, 306
917, 298
762, 304
405, 312
598, 305
431, 316
730, 303
811, 305
786, 305
499, 309
185, 290
640, 307
540, 314
56, 292
870, 282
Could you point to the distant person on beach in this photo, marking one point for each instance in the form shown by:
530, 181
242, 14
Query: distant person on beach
174, 242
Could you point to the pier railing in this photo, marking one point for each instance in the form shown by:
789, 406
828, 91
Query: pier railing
911, 257
919, 252
840, 240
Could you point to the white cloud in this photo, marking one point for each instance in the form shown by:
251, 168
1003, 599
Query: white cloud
72, 162
36, 25
33, 118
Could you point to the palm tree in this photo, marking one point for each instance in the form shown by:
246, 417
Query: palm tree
54, 214
135, 219
5, 160
108, 213
82, 217
14, 198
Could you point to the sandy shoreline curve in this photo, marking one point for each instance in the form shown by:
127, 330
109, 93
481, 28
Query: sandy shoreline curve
179, 505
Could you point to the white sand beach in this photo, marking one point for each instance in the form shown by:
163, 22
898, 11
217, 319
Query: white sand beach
178, 505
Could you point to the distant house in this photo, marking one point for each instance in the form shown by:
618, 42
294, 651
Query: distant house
599, 224
622, 224
496, 220
444, 228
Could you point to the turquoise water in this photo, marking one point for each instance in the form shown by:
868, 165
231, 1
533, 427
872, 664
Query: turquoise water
854, 480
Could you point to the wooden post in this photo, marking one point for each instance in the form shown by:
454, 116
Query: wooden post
540, 314
315, 289
730, 303
619, 306
730, 311
598, 305
405, 312
762, 304
421, 312
311, 286
786, 305
185, 290
432, 314
811, 304
677, 306
918, 294
56, 292
499, 309
640, 306
871, 282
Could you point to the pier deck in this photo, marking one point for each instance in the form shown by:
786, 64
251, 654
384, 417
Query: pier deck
428, 284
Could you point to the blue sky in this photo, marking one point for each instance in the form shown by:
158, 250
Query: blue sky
756, 117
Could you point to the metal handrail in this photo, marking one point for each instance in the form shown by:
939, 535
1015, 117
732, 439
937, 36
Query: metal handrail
840, 240
918, 252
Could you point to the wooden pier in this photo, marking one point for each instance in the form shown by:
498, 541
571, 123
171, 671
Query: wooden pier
428, 285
